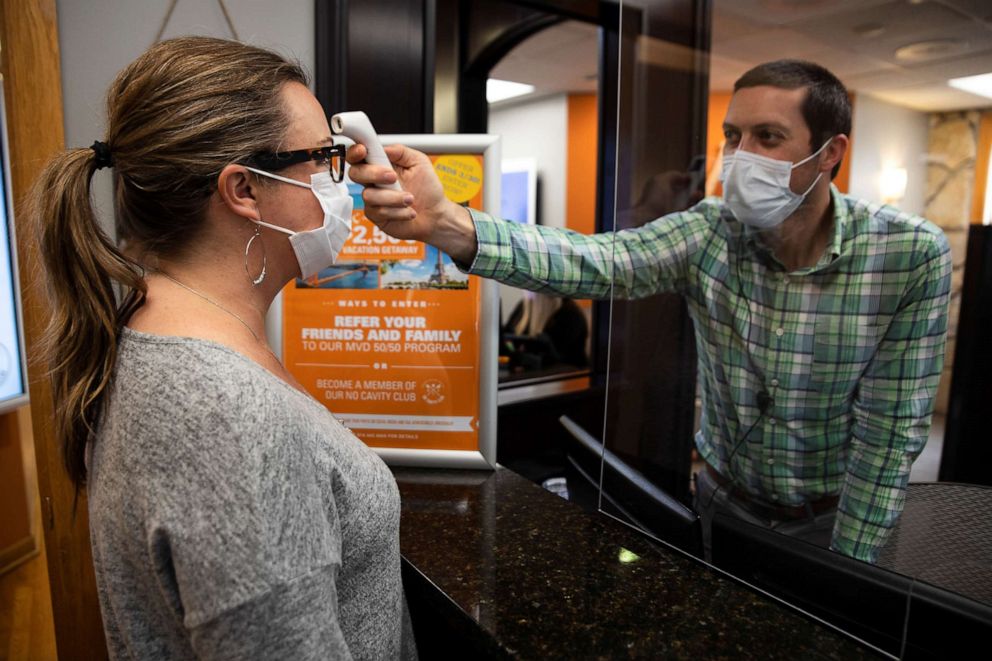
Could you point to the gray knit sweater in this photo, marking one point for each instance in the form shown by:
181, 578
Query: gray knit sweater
232, 516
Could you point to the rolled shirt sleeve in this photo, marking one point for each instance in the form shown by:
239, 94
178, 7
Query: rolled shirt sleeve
892, 409
643, 261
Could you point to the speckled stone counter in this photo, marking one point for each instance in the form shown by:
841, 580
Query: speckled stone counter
495, 566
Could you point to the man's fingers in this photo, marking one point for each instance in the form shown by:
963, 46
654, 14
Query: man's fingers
370, 175
383, 215
356, 154
384, 205
403, 156
386, 198
397, 154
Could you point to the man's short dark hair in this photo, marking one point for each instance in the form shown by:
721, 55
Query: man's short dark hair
826, 108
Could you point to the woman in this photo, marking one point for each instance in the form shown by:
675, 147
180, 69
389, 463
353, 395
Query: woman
230, 514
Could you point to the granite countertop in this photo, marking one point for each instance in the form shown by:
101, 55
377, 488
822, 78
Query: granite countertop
535, 576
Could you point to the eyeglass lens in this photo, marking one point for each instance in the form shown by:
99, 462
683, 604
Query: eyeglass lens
334, 161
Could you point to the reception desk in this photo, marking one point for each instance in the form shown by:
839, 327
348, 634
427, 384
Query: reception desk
496, 567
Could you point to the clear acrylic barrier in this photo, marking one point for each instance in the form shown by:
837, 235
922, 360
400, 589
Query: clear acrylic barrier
677, 66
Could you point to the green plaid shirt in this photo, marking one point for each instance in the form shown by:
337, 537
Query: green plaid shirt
850, 350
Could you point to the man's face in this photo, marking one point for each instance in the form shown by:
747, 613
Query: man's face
767, 120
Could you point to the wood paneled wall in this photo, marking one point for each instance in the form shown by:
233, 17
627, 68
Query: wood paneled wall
29, 37
16, 539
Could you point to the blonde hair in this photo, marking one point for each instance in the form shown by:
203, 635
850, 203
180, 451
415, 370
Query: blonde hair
177, 116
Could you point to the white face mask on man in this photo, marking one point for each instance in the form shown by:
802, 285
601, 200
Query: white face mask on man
318, 248
756, 188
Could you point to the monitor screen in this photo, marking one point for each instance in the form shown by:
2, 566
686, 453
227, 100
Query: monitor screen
518, 191
13, 381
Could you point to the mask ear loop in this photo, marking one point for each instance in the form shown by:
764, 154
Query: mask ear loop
810, 158
255, 280
807, 160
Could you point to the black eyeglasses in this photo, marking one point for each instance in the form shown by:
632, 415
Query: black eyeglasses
331, 156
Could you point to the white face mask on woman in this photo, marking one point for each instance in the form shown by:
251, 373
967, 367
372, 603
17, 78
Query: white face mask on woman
318, 248
756, 188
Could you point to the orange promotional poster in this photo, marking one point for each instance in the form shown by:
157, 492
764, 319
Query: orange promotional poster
389, 337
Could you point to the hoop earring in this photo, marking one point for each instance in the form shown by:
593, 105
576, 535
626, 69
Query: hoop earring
255, 280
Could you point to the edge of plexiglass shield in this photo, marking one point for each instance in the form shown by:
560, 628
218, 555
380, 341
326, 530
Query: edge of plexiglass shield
703, 58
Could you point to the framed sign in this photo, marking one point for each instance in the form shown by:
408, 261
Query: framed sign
399, 344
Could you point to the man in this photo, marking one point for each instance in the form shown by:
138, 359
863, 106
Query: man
820, 319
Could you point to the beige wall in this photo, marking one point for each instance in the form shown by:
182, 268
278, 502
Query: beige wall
952, 147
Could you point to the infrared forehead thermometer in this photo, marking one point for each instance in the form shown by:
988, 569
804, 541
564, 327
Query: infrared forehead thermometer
356, 125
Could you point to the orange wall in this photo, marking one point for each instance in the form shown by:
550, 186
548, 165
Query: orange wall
843, 179
719, 101
580, 177
580, 164
981, 167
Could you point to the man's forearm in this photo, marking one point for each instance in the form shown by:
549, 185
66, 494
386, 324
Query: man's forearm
872, 496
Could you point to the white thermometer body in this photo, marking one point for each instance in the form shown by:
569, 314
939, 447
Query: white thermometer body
356, 125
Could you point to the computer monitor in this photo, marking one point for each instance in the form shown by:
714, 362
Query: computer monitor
518, 190
13, 367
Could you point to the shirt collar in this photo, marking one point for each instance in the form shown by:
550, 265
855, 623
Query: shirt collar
842, 224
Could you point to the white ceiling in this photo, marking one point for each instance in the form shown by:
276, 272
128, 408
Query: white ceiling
856, 39
562, 58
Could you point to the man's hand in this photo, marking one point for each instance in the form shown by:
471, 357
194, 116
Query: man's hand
420, 211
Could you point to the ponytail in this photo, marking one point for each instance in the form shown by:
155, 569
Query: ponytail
82, 267
176, 116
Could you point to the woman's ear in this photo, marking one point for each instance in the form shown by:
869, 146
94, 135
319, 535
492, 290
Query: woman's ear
238, 191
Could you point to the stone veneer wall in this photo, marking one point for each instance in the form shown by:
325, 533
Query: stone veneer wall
953, 143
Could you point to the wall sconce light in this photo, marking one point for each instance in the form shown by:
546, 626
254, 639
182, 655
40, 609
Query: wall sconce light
892, 182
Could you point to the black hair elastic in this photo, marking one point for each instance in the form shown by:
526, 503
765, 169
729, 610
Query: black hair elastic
103, 158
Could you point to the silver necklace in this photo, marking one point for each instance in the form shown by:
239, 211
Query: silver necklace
215, 304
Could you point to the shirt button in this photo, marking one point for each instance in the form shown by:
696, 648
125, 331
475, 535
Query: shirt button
771, 421
775, 382
770, 462
780, 332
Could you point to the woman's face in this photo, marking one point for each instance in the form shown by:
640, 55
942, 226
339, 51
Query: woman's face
283, 204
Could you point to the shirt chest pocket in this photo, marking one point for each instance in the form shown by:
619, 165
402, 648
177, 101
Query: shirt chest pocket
842, 348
